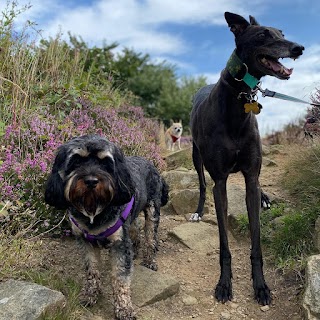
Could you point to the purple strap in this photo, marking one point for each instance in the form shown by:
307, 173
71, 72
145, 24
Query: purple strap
107, 233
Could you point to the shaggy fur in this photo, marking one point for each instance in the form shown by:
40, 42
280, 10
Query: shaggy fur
94, 181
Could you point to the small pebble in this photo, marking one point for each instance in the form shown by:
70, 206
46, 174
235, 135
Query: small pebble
264, 308
225, 316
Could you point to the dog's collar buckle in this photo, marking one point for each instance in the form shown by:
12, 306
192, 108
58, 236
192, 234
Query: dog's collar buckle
107, 233
235, 66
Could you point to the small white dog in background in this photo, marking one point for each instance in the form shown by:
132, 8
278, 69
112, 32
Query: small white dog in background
173, 135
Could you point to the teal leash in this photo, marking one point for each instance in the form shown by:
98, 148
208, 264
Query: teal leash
277, 95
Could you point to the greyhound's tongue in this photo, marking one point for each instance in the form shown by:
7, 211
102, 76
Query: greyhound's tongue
278, 67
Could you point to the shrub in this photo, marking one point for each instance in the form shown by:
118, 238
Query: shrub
28, 151
48, 95
293, 239
288, 240
302, 178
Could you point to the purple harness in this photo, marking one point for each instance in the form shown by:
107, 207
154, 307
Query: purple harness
107, 233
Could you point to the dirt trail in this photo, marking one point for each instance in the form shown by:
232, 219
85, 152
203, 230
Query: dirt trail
198, 275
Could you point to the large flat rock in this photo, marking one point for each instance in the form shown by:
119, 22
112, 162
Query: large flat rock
150, 286
20, 300
198, 236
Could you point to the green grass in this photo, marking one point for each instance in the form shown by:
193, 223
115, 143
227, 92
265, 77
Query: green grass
293, 241
16, 254
289, 239
242, 225
302, 177
69, 287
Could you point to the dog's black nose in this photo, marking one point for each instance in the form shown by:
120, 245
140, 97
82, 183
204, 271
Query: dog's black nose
91, 182
296, 49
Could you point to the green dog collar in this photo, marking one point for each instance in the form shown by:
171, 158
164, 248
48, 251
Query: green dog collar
235, 65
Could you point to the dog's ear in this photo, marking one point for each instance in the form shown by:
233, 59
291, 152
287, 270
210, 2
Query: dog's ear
171, 122
253, 21
124, 184
236, 23
180, 121
54, 192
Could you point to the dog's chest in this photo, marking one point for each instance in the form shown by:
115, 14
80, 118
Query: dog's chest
95, 236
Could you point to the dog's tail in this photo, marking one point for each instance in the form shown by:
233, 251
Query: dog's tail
164, 192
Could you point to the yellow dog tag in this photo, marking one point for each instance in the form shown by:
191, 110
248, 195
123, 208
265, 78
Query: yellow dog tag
252, 106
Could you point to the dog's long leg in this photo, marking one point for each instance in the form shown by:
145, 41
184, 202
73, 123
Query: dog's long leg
223, 291
152, 218
253, 194
92, 286
198, 164
121, 255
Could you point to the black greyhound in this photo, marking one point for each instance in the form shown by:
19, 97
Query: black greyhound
226, 137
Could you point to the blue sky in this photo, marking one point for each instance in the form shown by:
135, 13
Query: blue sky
193, 35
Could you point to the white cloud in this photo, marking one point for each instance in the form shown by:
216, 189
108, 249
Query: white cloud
211, 77
37, 10
125, 22
132, 23
191, 11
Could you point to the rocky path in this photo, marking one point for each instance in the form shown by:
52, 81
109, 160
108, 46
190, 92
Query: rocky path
183, 286
190, 253
196, 267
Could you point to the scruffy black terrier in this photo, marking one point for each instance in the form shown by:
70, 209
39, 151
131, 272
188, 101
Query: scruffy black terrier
104, 192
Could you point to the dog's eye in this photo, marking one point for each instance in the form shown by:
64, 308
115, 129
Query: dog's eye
108, 163
75, 161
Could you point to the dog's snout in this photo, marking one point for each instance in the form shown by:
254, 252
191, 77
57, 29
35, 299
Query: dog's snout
297, 49
91, 182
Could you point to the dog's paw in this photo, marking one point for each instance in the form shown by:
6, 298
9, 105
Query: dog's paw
87, 300
125, 314
150, 265
223, 292
195, 217
263, 295
90, 293
265, 201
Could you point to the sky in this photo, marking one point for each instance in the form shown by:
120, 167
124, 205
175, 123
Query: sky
194, 36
